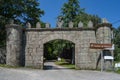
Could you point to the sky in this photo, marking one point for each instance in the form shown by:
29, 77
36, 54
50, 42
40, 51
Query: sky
109, 9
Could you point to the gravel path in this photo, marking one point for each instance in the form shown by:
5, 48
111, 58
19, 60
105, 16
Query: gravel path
54, 72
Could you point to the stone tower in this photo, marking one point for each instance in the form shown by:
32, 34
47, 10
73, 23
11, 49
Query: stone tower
13, 46
104, 32
104, 36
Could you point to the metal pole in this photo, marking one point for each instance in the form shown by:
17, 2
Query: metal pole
112, 60
101, 61
102, 52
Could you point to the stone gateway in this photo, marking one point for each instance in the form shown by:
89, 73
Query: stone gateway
25, 46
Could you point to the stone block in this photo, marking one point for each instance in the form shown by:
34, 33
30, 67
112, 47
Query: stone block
80, 24
71, 24
38, 25
29, 63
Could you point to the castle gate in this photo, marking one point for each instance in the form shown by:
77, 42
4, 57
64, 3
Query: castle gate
27, 45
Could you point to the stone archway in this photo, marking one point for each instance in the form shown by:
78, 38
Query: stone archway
36, 39
61, 37
85, 58
58, 50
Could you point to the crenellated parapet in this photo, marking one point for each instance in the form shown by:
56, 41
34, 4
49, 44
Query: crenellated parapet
60, 25
13, 44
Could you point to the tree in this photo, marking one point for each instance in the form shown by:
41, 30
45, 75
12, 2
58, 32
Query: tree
53, 49
21, 11
117, 43
59, 49
71, 11
85, 18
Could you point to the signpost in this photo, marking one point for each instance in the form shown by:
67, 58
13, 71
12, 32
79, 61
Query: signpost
100, 46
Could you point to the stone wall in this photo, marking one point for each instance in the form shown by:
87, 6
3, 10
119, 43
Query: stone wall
13, 46
36, 38
104, 34
27, 47
86, 57
2, 55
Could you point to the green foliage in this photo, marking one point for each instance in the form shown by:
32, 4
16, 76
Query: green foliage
54, 49
71, 11
21, 11
85, 18
2, 36
48, 51
117, 53
117, 70
7, 66
117, 43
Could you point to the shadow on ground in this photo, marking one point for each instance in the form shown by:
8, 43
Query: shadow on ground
52, 66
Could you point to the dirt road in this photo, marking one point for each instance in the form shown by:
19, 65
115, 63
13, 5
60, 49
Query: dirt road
54, 72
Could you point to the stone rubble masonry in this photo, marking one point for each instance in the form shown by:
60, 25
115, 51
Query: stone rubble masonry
2, 55
35, 38
13, 44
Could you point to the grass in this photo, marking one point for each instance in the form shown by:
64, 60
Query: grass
7, 66
65, 64
118, 71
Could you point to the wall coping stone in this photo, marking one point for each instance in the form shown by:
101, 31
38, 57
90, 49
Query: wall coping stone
103, 25
59, 29
13, 26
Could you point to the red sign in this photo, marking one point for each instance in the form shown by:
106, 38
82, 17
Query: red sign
100, 46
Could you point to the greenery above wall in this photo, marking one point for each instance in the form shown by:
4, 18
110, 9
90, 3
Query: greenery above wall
116, 41
21, 11
71, 11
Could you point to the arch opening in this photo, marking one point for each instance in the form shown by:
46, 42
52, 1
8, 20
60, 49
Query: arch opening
59, 50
